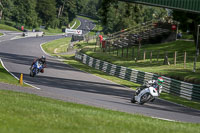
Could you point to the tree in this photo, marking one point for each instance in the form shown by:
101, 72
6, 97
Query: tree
188, 21
120, 15
88, 7
24, 12
6, 8
66, 11
46, 10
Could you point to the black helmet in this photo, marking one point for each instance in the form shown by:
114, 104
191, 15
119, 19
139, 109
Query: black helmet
43, 58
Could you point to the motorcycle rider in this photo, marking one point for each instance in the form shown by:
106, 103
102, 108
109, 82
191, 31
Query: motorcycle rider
41, 60
157, 84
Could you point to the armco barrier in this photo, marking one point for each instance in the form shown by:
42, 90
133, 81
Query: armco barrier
182, 89
33, 34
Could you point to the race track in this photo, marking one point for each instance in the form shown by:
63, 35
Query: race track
61, 81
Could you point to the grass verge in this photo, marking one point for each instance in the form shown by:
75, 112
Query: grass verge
6, 27
6, 77
57, 46
76, 25
28, 113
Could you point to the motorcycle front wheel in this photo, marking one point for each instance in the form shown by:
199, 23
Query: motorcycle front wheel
33, 72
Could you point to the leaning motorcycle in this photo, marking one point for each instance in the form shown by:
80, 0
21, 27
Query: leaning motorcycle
147, 94
36, 68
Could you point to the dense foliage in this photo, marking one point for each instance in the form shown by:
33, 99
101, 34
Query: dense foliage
114, 15
188, 22
33, 13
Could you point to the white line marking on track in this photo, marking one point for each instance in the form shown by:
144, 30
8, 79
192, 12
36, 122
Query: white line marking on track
16, 76
164, 119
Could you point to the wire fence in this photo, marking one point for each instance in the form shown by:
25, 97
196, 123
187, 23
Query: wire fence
168, 57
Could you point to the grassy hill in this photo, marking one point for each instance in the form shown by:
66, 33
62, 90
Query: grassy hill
6, 27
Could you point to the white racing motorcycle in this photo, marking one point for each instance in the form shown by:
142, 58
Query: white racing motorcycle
148, 94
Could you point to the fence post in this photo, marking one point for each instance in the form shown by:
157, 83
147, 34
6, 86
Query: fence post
151, 57
175, 58
158, 55
185, 54
127, 53
122, 51
144, 55
132, 52
109, 48
166, 61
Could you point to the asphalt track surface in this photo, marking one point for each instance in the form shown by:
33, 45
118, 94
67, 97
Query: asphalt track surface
61, 81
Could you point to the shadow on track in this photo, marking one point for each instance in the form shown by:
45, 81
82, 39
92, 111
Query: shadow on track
27, 60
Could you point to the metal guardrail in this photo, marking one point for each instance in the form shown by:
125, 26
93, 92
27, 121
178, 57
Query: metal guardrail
172, 86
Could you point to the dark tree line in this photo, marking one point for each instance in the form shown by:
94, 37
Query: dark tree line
188, 22
117, 15
33, 13
114, 15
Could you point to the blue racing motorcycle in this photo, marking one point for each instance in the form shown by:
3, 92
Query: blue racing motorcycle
36, 68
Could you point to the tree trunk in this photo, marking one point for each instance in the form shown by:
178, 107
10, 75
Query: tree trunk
62, 9
1, 10
195, 25
59, 11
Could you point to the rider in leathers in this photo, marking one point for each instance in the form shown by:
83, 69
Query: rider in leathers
41, 60
157, 84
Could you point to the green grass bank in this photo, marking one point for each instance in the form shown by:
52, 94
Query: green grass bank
6, 77
6, 27
28, 113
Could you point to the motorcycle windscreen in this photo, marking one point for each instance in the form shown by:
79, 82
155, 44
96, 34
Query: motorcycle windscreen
153, 91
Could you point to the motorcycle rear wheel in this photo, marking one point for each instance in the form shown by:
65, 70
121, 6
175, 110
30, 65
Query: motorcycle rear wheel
144, 98
133, 98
